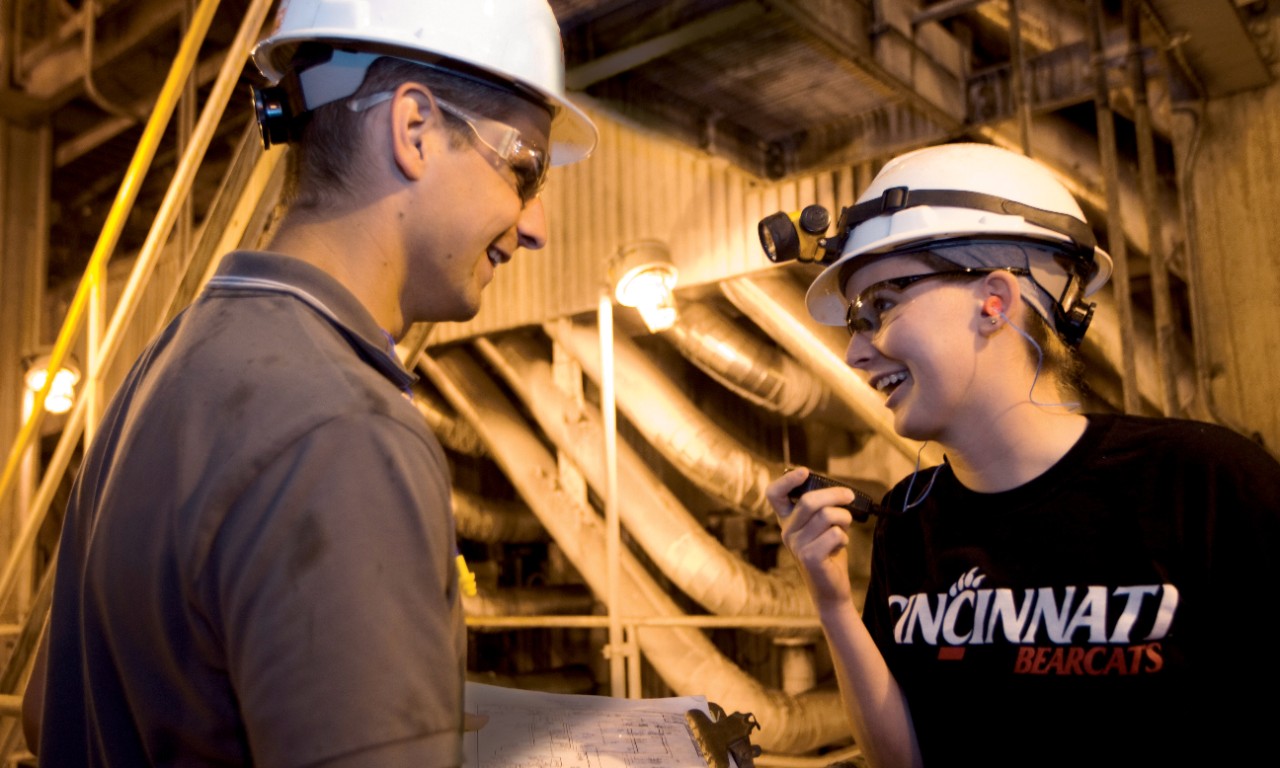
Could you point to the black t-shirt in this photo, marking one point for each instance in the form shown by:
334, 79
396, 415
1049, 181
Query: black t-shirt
1104, 613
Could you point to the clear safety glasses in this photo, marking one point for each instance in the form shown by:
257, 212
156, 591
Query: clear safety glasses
866, 312
498, 142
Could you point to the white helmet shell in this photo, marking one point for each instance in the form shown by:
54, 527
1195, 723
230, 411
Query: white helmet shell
517, 41
979, 168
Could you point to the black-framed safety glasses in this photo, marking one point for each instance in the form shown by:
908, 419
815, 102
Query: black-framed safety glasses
864, 314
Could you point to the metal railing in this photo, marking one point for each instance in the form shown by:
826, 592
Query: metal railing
103, 353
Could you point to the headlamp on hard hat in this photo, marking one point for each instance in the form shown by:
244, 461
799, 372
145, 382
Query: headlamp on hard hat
802, 237
782, 243
799, 236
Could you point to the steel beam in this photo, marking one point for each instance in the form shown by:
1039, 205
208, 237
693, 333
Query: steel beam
56, 75
1056, 79
1215, 43
617, 62
944, 10
919, 67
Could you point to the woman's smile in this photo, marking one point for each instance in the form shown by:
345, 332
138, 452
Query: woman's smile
888, 383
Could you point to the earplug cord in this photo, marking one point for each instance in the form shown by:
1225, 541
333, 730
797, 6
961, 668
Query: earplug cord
1039, 366
906, 501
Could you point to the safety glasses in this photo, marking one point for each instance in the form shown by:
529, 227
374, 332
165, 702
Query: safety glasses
866, 311
499, 143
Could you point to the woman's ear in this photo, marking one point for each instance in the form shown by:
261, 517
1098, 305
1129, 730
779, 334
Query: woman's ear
1000, 294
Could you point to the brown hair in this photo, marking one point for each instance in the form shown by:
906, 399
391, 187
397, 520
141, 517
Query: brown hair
1061, 360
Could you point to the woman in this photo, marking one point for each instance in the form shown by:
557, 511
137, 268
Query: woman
1064, 589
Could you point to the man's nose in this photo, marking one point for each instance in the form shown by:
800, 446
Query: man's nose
531, 227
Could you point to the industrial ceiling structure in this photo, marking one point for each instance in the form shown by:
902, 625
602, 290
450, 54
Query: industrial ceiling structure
776, 90
777, 86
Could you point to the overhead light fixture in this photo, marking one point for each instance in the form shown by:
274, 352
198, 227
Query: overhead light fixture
644, 277
62, 393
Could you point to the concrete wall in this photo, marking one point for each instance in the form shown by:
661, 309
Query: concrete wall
1233, 207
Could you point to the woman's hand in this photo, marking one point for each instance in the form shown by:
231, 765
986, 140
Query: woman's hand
816, 530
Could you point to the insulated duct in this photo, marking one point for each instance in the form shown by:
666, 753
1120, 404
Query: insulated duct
454, 433
719, 465
696, 561
481, 519
775, 302
564, 600
763, 375
684, 657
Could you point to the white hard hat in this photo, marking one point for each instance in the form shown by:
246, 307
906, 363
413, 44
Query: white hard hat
516, 42
959, 192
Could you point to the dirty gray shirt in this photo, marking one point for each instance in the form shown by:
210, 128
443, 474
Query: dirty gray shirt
257, 561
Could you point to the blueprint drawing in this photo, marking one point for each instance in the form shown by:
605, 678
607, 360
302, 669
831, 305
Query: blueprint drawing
530, 729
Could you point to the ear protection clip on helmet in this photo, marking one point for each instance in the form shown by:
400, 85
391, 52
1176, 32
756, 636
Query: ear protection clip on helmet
277, 108
786, 237
281, 109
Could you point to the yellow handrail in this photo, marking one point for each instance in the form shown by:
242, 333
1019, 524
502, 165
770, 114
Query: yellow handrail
112, 228
161, 227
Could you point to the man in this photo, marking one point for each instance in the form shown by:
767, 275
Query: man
257, 564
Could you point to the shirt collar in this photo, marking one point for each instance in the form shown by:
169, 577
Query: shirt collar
277, 273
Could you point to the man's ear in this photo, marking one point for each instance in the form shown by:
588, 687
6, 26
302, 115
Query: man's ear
414, 116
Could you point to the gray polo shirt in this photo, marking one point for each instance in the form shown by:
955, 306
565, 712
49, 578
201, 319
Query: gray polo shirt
257, 561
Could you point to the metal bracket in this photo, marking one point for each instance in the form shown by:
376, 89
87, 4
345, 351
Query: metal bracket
722, 737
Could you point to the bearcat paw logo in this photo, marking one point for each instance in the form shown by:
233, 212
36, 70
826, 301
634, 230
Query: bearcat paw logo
968, 582
971, 579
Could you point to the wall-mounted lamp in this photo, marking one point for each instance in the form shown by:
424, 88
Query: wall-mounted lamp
62, 393
644, 277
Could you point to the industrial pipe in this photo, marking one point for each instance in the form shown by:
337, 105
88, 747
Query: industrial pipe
685, 658
693, 559
714, 461
567, 599
452, 432
483, 519
574, 680
761, 374
776, 304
